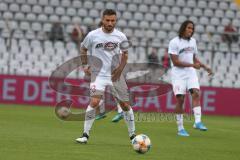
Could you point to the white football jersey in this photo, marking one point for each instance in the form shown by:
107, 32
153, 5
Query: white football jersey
104, 46
185, 49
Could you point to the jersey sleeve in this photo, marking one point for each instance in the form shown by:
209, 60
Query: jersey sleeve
124, 43
172, 48
124, 37
87, 42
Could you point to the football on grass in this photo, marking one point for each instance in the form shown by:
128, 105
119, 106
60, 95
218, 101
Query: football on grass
141, 143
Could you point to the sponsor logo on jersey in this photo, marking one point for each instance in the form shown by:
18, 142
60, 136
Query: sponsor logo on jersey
99, 45
107, 46
187, 50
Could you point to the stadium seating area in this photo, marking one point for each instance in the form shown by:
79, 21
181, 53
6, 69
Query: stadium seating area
148, 23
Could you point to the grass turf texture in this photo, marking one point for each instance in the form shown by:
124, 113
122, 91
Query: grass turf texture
34, 133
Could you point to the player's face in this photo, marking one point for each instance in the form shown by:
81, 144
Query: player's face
189, 30
109, 22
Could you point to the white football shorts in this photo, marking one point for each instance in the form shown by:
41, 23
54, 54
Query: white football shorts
181, 85
119, 88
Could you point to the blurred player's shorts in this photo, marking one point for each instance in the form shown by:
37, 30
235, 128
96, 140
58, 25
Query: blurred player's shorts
118, 89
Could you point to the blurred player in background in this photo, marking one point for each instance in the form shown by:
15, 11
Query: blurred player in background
183, 50
103, 43
102, 113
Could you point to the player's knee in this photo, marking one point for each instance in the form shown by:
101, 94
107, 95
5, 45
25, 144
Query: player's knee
180, 103
180, 99
195, 94
125, 106
94, 103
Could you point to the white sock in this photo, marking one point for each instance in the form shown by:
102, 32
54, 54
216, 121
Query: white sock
89, 119
197, 114
101, 106
119, 108
129, 119
179, 118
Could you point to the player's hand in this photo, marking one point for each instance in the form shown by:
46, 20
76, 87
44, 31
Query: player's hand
197, 65
116, 74
209, 70
87, 70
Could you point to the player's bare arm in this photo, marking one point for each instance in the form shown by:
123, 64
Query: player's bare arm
178, 63
205, 67
118, 71
83, 54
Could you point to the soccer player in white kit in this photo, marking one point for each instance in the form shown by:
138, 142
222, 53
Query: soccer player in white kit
183, 50
106, 70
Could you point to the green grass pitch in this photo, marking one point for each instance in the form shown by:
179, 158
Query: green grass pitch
34, 133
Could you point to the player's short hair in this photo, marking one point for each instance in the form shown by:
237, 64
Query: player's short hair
109, 12
183, 28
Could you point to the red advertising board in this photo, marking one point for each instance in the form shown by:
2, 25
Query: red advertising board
36, 91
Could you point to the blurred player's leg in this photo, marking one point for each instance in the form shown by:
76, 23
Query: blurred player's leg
197, 110
119, 114
129, 119
101, 109
120, 91
89, 119
179, 89
193, 87
96, 93
179, 115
